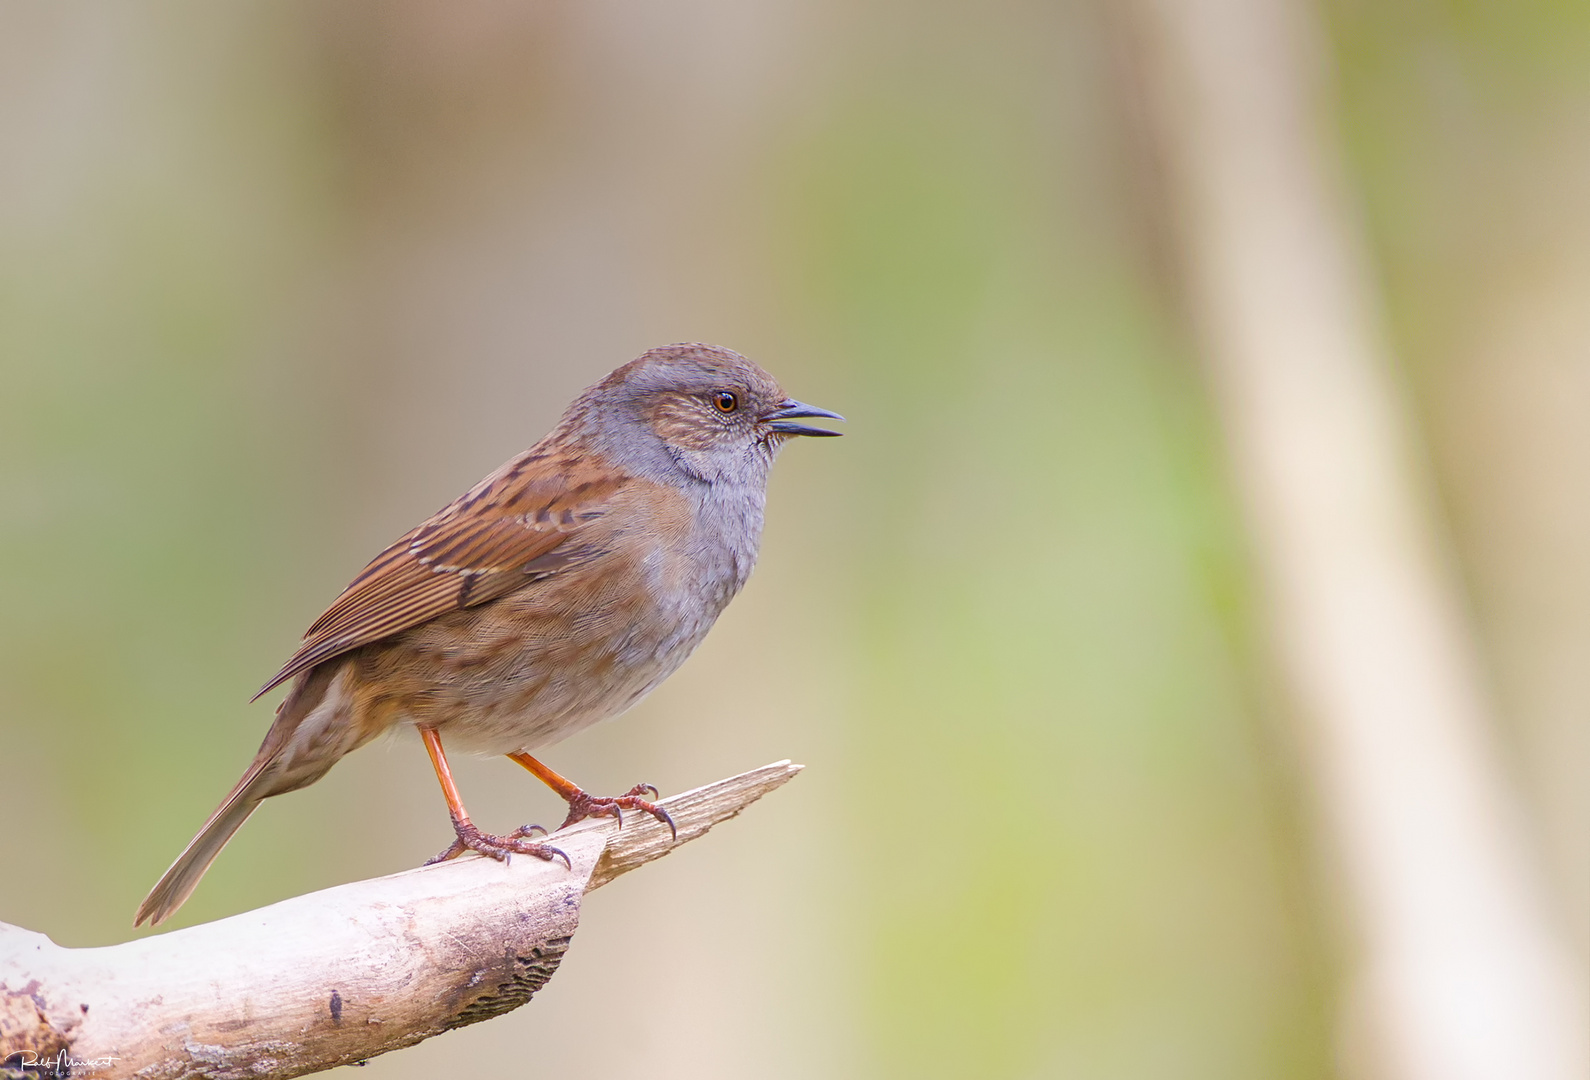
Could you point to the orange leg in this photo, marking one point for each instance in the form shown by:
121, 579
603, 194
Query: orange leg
583, 806
469, 837
433, 745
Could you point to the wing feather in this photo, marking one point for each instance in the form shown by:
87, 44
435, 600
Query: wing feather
510, 530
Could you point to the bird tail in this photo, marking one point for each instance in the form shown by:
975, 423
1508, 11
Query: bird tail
270, 774
178, 883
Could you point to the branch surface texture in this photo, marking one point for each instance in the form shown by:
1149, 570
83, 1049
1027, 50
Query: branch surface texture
333, 977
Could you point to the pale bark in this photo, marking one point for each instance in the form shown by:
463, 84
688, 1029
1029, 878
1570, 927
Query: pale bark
1461, 973
333, 977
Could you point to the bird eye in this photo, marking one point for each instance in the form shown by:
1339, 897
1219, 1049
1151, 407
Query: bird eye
725, 401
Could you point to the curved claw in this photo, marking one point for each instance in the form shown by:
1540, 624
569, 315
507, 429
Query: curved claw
501, 848
453, 851
582, 806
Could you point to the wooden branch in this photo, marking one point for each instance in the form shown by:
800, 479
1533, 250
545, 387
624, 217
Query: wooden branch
1463, 972
333, 977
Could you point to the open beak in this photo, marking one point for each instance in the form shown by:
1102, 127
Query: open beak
782, 419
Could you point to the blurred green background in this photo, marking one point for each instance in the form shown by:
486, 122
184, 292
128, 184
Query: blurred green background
278, 280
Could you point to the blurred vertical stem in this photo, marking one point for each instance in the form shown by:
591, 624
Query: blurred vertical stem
1460, 973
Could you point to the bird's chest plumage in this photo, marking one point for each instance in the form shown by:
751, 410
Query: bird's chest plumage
579, 647
692, 579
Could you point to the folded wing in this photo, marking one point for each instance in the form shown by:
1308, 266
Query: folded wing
510, 530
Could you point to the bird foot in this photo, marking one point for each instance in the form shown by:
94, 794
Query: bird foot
501, 848
582, 806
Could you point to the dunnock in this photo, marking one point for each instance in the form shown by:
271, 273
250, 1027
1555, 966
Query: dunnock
556, 592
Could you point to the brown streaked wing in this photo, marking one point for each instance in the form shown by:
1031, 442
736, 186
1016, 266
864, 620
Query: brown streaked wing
499, 537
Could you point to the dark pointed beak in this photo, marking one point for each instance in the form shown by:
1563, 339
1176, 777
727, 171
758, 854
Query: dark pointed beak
782, 419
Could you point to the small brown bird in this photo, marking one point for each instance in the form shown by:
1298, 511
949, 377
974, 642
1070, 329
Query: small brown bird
557, 592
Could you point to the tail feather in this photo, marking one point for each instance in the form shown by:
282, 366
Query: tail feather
270, 774
178, 883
